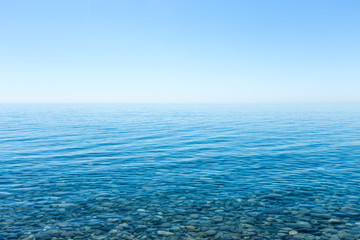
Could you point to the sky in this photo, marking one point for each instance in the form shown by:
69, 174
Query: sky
180, 51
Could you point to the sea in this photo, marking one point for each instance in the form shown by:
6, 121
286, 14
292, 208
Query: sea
180, 171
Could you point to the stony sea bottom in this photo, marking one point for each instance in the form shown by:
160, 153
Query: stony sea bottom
180, 172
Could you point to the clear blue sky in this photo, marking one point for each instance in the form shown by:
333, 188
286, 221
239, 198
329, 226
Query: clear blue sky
185, 51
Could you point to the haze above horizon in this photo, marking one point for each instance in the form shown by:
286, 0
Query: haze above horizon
90, 51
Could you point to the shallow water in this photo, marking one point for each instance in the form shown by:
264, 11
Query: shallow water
180, 172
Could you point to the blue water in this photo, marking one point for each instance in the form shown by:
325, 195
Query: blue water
179, 171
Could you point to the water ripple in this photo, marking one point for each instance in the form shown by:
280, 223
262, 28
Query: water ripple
179, 171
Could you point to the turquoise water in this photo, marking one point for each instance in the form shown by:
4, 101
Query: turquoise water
180, 172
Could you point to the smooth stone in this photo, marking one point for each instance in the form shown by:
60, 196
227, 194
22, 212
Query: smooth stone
210, 232
42, 235
112, 220
140, 227
175, 228
293, 232
164, 233
321, 215
123, 225
113, 231
226, 237
218, 219
303, 236
52, 231
71, 234
107, 204
330, 230
30, 237
334, 220
302, 224
99, 237
166, 225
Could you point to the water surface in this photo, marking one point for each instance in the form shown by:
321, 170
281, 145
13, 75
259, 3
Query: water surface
179, 171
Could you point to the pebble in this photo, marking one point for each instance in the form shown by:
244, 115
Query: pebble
293, 232
334, 220
99, 237
113, 231
175, 228
123, 225
302, 224
210, 232
165, 233
112, 220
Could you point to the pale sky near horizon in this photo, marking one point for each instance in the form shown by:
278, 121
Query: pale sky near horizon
179, 51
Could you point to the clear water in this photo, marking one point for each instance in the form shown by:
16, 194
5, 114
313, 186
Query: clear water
180, 172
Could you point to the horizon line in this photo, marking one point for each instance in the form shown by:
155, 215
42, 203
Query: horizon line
175, 103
